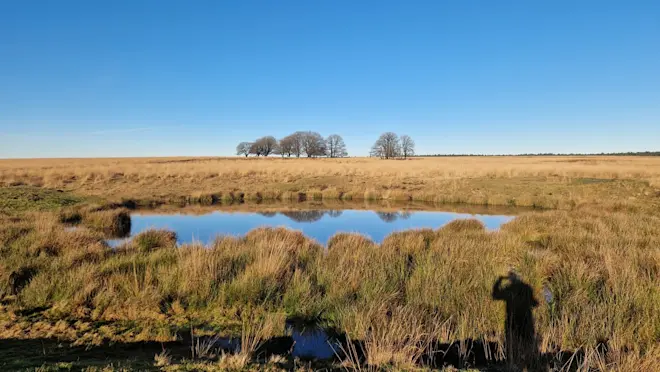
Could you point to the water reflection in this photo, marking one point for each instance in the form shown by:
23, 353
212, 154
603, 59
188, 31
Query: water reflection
307, 342
317, 215
393, 216
310, 216
319, 224
311, 342
335, 213
267, 214
304, 216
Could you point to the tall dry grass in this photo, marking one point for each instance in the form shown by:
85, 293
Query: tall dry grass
98, 169
418, 287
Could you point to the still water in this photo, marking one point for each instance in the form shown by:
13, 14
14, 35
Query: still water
319, 224
306, 342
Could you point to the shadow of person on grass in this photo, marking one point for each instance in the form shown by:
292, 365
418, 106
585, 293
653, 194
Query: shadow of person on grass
521, 344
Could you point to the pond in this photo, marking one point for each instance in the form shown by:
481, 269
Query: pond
315, 221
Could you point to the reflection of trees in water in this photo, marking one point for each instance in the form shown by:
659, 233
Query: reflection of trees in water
316, 215
388, 216
335, 213
304, 216
393, 216
268, 214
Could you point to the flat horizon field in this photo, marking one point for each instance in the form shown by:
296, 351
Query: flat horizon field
548, 182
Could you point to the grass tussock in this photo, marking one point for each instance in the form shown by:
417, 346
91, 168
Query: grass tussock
150, 240
115, 222
465, 226
417, 288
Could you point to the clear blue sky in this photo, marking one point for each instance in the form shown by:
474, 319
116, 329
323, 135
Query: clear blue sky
138, 77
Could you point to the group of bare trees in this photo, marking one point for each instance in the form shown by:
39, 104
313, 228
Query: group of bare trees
309, 144
391, 146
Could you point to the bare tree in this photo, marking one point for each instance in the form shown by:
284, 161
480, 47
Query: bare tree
264, 146
276, 148
407, 146
375, 151
336, 146
313, 144
287, 145
387, 146
254, 149
297, 141
243, 148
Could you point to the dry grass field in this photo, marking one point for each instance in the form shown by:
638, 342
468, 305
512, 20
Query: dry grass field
547, 182
590, 258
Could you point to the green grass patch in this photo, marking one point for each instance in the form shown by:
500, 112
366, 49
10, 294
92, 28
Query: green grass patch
589, 181
26, 198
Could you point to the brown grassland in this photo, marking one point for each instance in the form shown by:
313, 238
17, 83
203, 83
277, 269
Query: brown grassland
68, 301
547, 182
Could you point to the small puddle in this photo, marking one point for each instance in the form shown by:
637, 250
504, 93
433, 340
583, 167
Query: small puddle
204, 225
310, 342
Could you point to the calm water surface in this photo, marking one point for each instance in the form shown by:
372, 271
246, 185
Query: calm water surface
317, 224
309, 342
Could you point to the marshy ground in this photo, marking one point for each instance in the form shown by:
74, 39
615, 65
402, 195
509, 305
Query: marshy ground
586, 263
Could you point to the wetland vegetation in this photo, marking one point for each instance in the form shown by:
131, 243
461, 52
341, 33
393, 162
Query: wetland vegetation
586, 258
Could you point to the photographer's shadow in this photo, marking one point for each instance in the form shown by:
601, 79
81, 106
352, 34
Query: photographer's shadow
521, 342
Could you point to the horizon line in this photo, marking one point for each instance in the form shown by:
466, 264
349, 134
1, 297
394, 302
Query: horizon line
628, 153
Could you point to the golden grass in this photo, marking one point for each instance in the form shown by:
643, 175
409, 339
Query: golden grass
598, 254
552, 182
602, 267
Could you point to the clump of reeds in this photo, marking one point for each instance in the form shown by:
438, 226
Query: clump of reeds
70, 216
389, 336
115, 222
152, 239
464, 225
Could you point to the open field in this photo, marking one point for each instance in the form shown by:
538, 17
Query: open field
591, 260
548, 182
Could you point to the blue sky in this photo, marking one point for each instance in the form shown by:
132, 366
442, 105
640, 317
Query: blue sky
159, 77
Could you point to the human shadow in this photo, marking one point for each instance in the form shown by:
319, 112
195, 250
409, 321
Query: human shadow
521, 343
320, 349
47, 353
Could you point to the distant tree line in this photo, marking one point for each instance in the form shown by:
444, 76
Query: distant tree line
307, 144
311, 144
388, 146
632, 153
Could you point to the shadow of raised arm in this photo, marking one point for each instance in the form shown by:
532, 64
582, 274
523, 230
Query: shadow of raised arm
498, 293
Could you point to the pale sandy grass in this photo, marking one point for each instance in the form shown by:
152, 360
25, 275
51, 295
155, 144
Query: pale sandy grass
54, 171
550, 182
